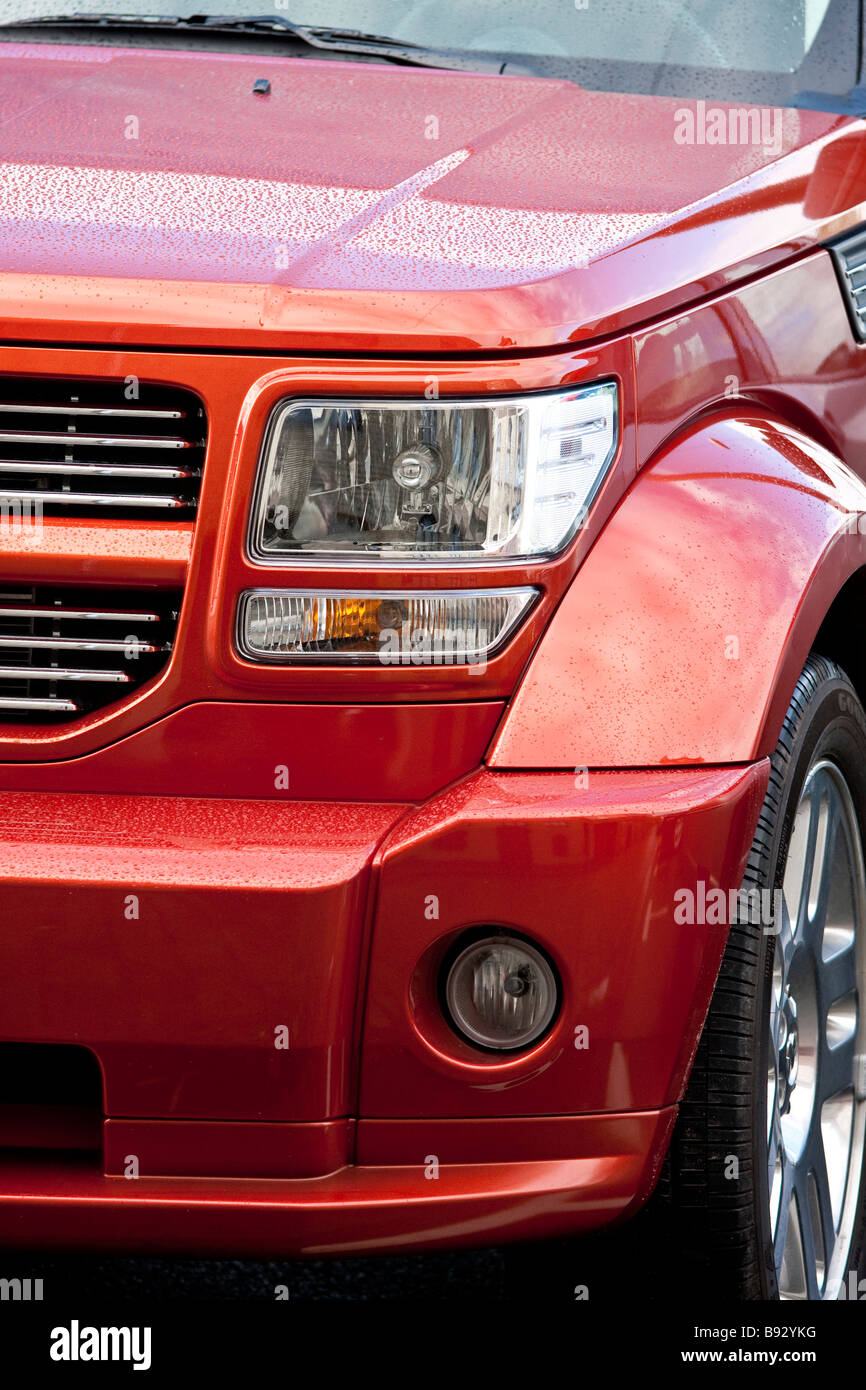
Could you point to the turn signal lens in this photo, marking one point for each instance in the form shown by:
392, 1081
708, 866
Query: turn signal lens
388, 628
501, 993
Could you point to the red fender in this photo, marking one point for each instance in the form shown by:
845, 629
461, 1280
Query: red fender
682, 637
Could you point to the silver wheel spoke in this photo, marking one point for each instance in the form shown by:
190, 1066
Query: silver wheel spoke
783, 1232
775, 1174
812, 1244
837, 978
815, 1123
799, 861
820, 1221
784, 953
826, 828
836, 1071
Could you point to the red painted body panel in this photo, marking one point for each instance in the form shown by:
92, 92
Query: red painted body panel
162, 900
611, 1167
210, 1149
505, 1139
238, 394
690, 622
176, 936
254, 224
281, 752
251, 915
590, 873
97, 552
783, 344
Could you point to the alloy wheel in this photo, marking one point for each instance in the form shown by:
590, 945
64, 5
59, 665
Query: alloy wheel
816, 1081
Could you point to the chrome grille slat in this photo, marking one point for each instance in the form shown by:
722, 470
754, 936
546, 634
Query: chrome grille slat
52, 673
849, 257
42, 706
77, 644
98, 470
114, 412
63, 655
79, 614
91, 441
92, 499
78, 446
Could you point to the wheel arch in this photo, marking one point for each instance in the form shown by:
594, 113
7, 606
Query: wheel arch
837, 636
739, 548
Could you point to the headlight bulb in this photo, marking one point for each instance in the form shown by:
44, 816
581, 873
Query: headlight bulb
416, 468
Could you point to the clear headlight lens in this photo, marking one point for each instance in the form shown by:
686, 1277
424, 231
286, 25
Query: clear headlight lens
432, 480
437, 628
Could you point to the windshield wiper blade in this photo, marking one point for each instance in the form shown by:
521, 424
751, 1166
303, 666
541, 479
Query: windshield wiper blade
94, 21
313, 36
323, 35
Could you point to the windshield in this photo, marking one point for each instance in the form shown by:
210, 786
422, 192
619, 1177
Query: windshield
734, 48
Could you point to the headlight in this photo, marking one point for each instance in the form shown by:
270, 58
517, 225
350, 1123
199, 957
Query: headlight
432, 480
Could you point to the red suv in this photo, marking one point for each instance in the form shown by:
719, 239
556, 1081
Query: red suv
432, 666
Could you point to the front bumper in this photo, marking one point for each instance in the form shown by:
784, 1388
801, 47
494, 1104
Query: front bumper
258, 983
605, 1167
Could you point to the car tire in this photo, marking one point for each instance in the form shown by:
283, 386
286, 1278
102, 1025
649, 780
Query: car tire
751, 1114
764, 1184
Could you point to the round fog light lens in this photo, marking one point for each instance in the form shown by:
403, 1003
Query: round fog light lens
501, 993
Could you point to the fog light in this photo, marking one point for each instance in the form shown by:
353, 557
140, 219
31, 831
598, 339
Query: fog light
501, 993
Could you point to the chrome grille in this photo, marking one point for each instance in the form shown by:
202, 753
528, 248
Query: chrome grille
65, 651
122, 448
849, 257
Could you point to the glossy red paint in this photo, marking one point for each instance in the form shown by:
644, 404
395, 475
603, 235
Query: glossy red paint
266, 226
97, 552
251, 916
209, 1149
162, 900
371, 1209
505, 1139
782, 344
407, 378
175, 937
589, 871
281, 752
238, 394
692, 618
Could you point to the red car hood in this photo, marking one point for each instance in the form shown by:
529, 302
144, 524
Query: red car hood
150, 197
